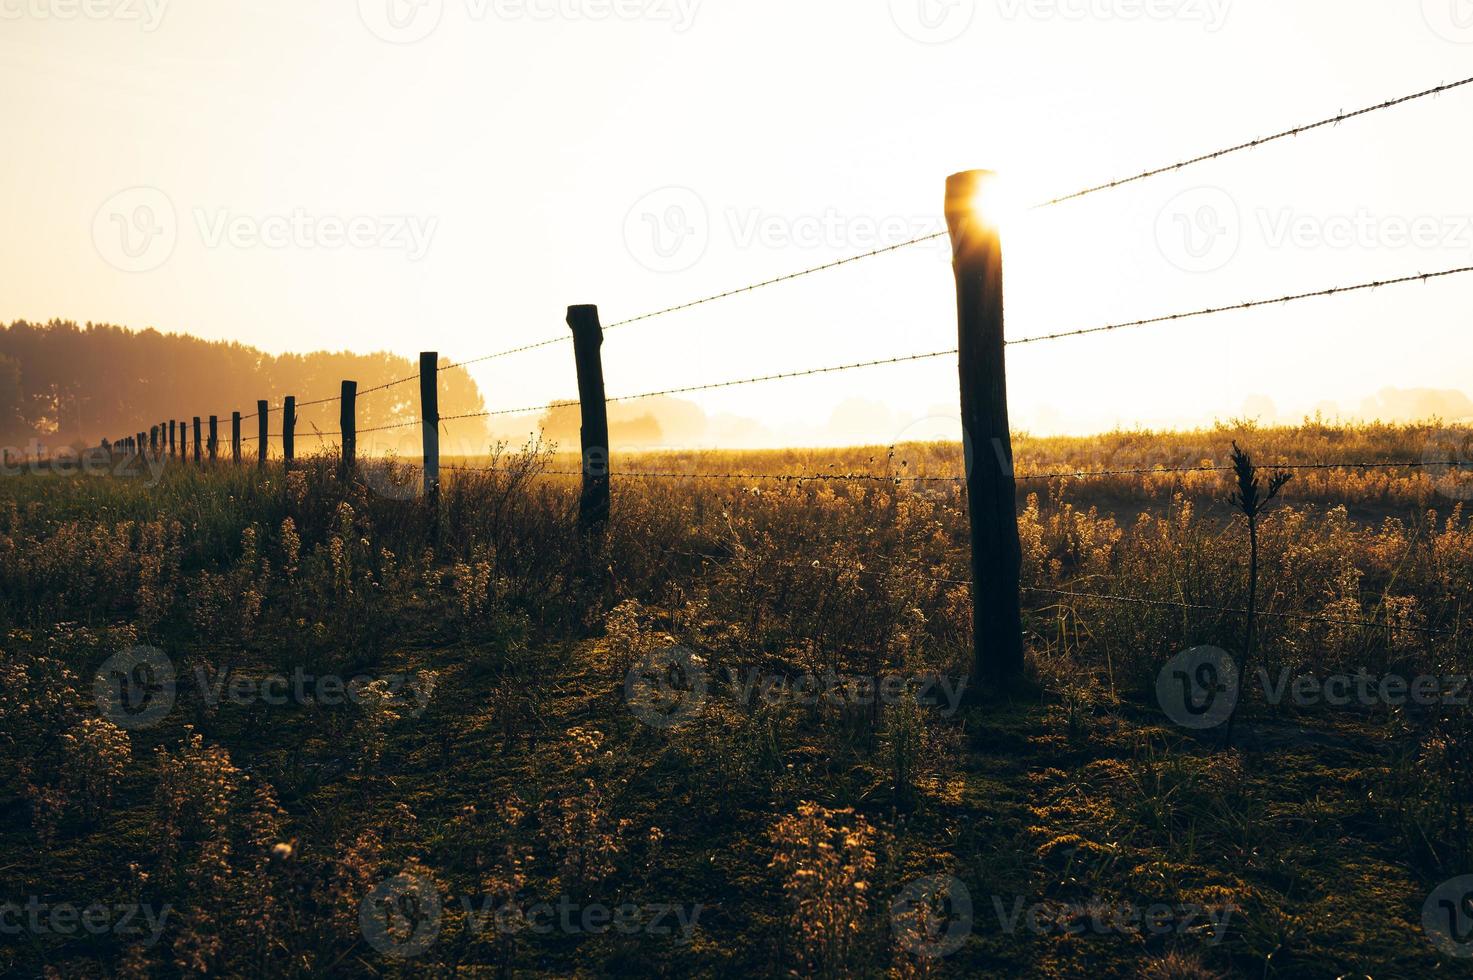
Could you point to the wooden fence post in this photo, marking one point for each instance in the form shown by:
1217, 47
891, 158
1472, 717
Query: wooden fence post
173, 440
235, 437
198, 438
289, 429
153, 440
214, 438
262, 411
348, 424
429, 413
588, 339
997, 619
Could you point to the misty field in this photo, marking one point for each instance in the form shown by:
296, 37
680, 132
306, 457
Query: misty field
278, 723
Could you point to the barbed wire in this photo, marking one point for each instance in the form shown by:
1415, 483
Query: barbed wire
1252, 304
1109, 185
1261, 141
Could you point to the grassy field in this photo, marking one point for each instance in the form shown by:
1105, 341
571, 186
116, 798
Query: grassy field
267, 723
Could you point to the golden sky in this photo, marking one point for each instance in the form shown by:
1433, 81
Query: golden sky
451, 174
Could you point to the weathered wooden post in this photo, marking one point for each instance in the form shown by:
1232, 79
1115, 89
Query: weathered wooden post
153, 440
214, 438
198, 438
588, 339
997, 619
289, 429
173, 441
429, 413
262, 411
235, 437
348, 424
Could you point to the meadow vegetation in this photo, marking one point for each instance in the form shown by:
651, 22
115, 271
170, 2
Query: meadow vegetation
682, 716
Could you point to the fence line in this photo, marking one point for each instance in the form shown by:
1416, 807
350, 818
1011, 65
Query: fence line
992, 491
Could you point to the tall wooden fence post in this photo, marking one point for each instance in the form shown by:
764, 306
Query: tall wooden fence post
262, 412
588, 339
289, 429
997, 619
198, 438
348, 424
153, 440
214, 438
173, 441
235, 437
429, 413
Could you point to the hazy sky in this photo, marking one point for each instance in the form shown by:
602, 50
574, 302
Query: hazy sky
451, 174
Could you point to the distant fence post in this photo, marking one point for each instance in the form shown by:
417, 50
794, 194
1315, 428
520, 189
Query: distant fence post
429, 413
262, 411
198, 438
214, 438
173, 441
348, 424
588, 339
997, 619
153, 440
235, 437
289, 429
